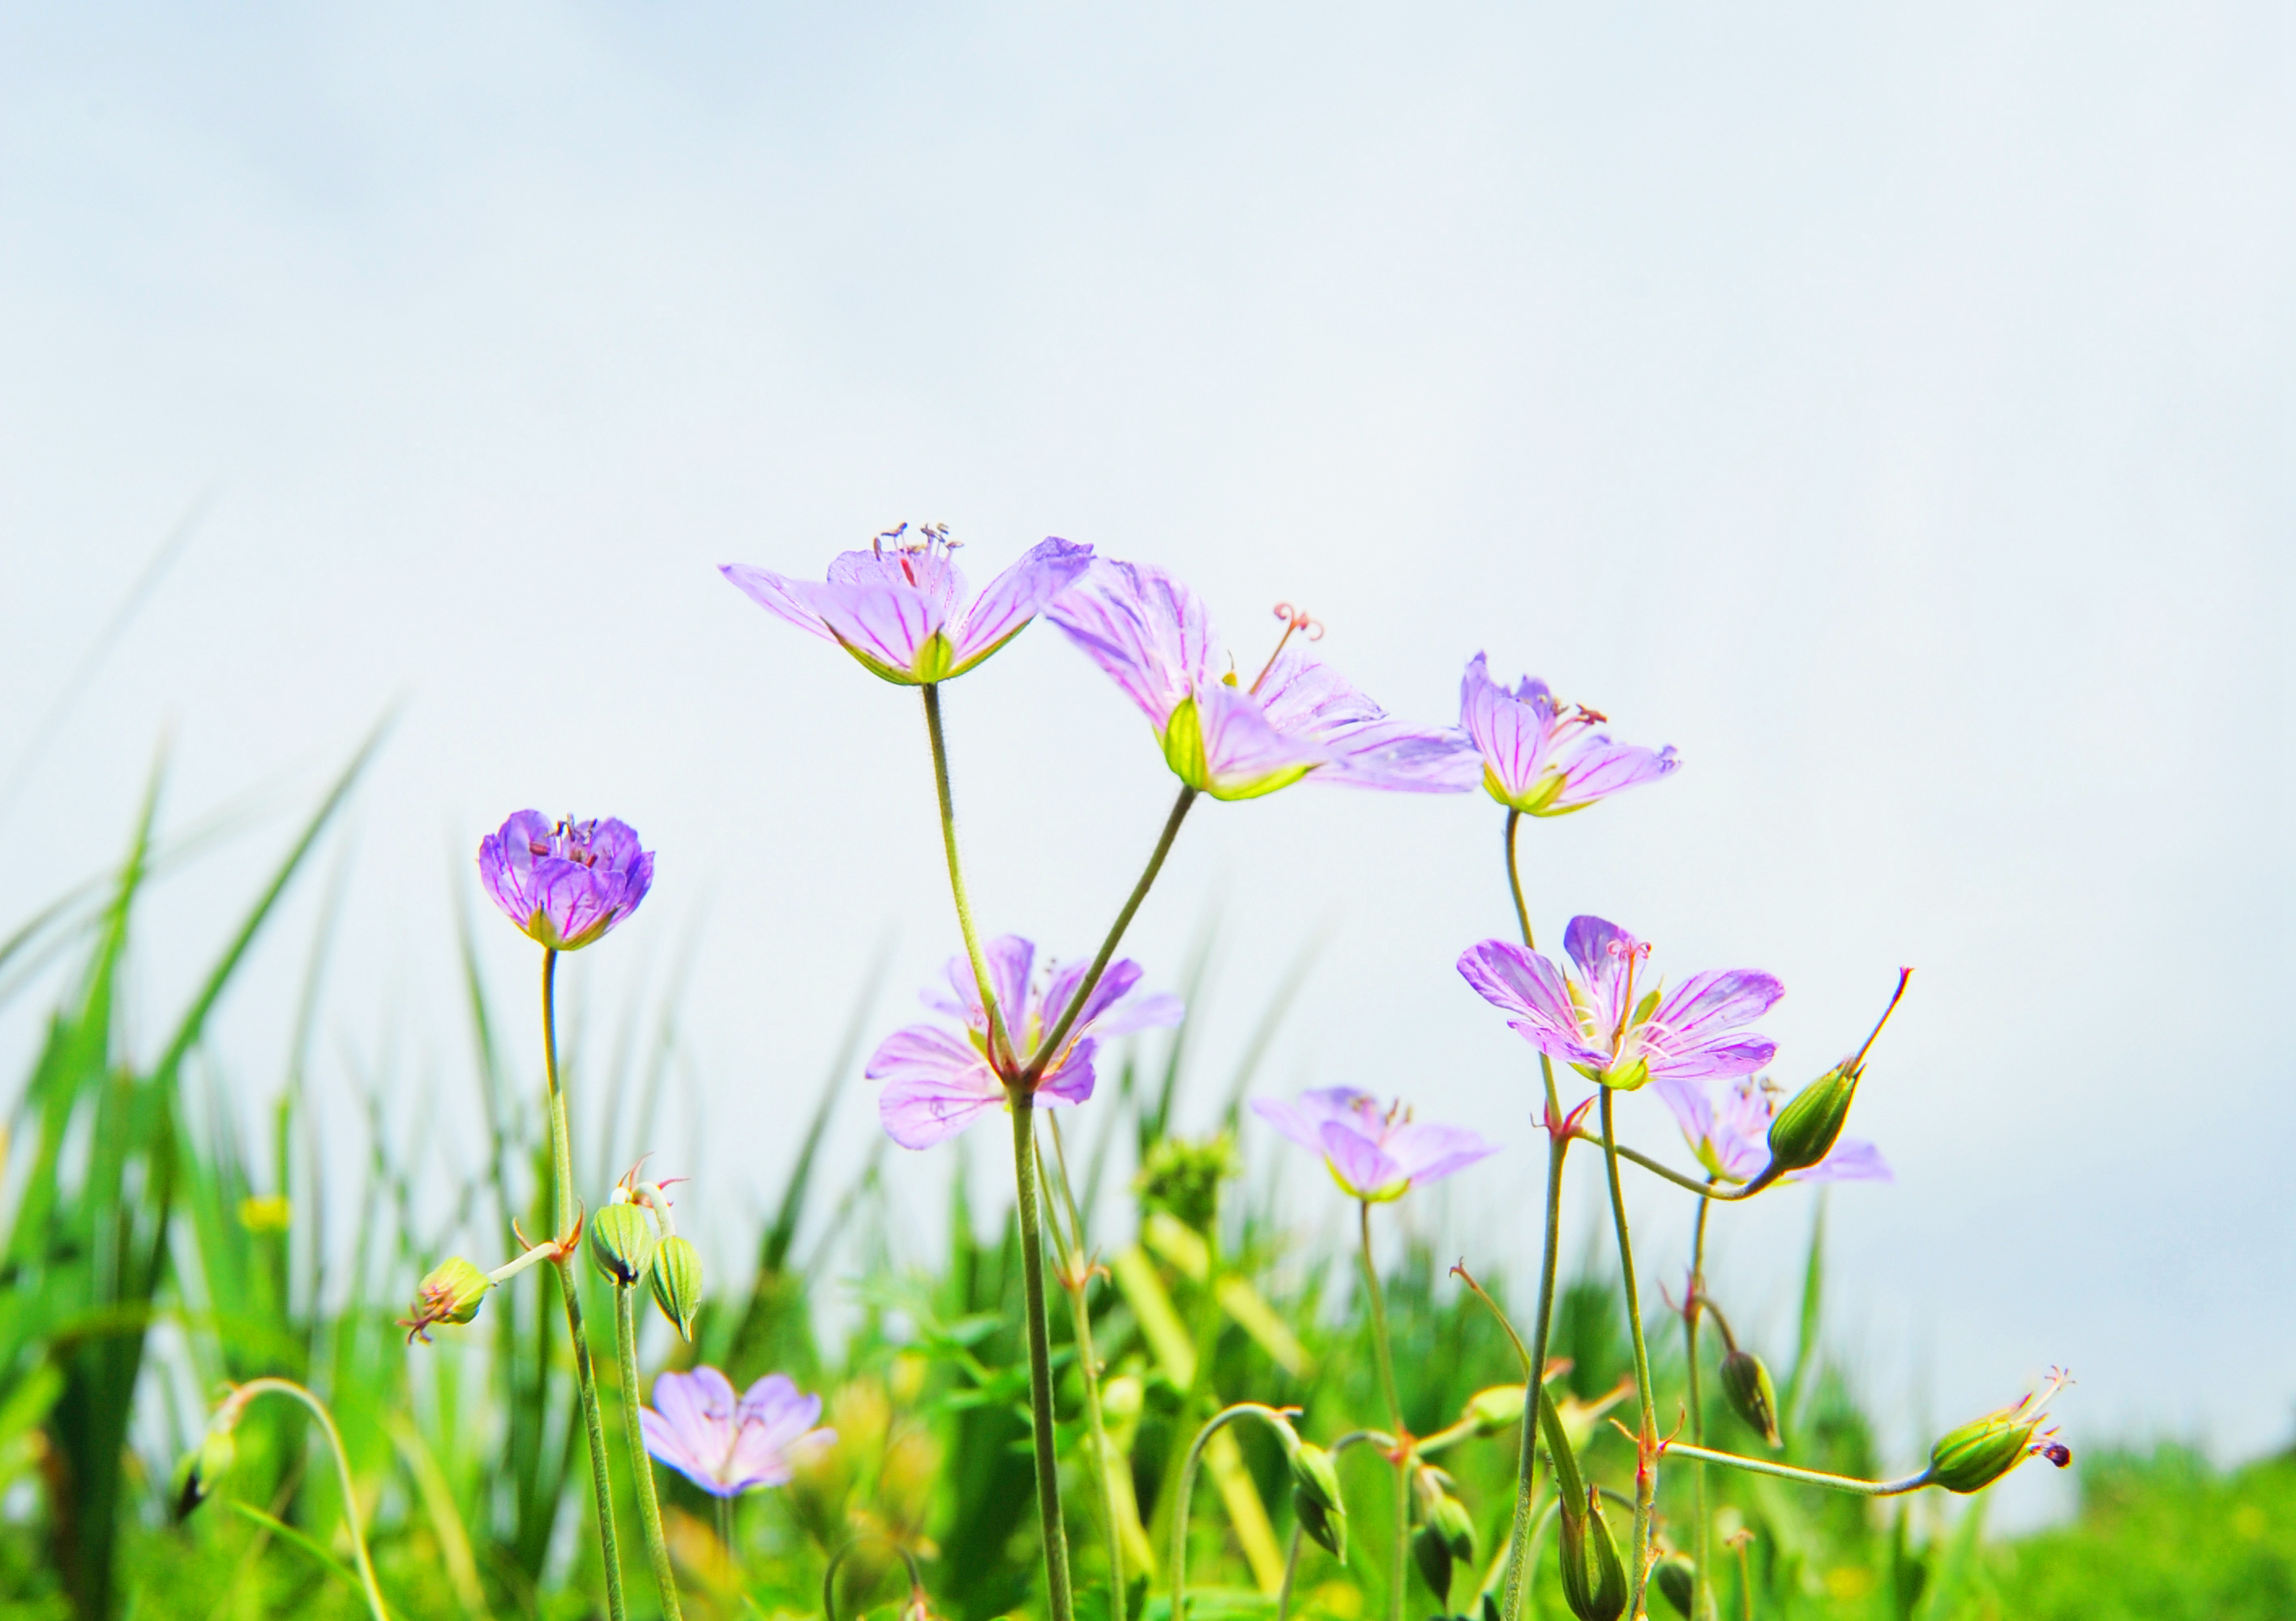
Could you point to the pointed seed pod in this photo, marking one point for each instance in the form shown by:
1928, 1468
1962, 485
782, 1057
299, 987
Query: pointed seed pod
1593, 1577
621, 1243
1747, 1383
677, 1282
1806, 1129
1314, 1474
1677, 1578
1496, 1410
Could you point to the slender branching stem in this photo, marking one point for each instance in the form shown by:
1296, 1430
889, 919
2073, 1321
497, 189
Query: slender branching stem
1702, 1551
1291, 1574
1076, 1279
1386, 1354
1712, 1190
1000, 1039
569, 1287
1807, 1476
241, 1394
626, 1341
1275, 1420
1514, 882
1051, 1046
1646, 1440
1040, 1353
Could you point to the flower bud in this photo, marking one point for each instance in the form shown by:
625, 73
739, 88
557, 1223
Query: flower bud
1806, 1129
450, 1293
677, 1282
1450, 1516
621, 1243
1432, 1551
1747, 1383
1593, 1577
199, 1474
1327, 1527
1980, 1452
1677, 1578
1494, 1411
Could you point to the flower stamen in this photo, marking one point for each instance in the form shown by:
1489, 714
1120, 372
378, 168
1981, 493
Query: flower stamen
1295, 619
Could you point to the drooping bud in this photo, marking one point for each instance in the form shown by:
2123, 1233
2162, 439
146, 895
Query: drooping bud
1980, 1452
677, 1282
1494, 1411
1747, 1383
621, 1242
1593, 1577
1446, 1539
1316, 1497
449, 1293
1677, 1578
1327, 1527
200, 1472
1432, 1551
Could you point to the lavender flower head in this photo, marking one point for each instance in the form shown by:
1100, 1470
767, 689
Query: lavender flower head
1602, 1021
565, 883
1235, 739
901, 606
725, 1446
937, 1083
1374, 1154
1732, 1139
1545, 758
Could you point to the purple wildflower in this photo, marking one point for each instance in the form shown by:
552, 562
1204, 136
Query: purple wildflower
1600, 1022
1545, 758
937, 1083
565, 883
900, 608
725, 1446
1233, 741
1732, 1140
1373, 1154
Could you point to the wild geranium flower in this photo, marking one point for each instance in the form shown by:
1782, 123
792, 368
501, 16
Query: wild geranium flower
726, 1446
1604, 1019
1732, 1139
1234, 739
1545, 759
901, 607
937, 1083
1374, 1153
565, 883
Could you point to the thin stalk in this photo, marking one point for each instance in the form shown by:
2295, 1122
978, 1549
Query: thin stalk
1050, 1045
1647, 1442
1194, 1461
1076, 1279
1807, 1476
246, 1393
1000, 1039
1040, 1353
1702, 1549
625, 1336
1290, 1574
569, 1287
1395, 1416
1514, 882
1704, 1190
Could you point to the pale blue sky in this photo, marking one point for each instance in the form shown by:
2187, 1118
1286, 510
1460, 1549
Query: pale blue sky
1891, 409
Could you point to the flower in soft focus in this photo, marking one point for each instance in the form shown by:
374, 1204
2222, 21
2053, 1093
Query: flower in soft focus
901, 606
1545, 758
565, 883
1732, 1139
937, 1083
1374, 1154
1602, 1020
1980, 1452
726, 1446
1236, 739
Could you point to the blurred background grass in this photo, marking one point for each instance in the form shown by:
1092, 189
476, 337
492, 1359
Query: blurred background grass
156, 1250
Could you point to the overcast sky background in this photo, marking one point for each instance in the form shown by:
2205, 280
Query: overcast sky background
1892, 410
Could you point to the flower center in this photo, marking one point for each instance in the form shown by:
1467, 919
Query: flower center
931, 542
570, 840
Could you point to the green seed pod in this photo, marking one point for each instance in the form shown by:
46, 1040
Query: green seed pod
1432, 1551
1327, 1527
1806, 1129
449, 1293
1677, 1578
200, 1474
621, 1243
1450, 1516
1495, 1411
1313, 1475
1593, 1577
677, 1282
1980, 1452
1747, 1383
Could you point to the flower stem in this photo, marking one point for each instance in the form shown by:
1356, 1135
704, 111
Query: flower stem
1040, 1353
1704, 1190
1395, 1416
1514, 882
569, 1287
1188, 1470
625, 1336
1807, 1476
243, 1394
999, 1037
1701, 1550
1291, 1574
1076, 1279
1050, 1045
1647, 1463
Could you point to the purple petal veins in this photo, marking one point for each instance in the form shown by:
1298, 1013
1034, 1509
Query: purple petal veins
1545, 758
564, 883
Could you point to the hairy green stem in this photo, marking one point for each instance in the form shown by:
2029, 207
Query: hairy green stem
1050, 1045
1000, 1039
1701, 1550
1040, 1353
625, 1338
1076, 1279
243, 1394
569, 1287
1395, 1416
1291, 1574
1807, 1476
1646, 1440
1193, 1462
